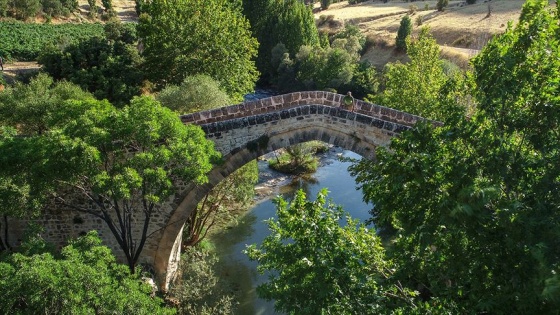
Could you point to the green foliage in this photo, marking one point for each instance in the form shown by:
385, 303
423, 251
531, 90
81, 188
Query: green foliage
196, 93
320, 265
470, 1
274, 22
474, 203
108, 67
92, 8
83, 279
188, 37
218, 207
31, 107
442, 4
89, 155
320, 68
325, 4
23, 9
107, 4
25, 41
298, 159
352, 33
420, 86
199, 291
403, 33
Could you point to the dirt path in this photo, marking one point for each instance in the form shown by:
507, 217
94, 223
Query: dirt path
12, 69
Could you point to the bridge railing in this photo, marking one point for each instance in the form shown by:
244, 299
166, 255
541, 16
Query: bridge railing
286, 101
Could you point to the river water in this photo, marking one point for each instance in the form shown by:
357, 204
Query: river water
230, 243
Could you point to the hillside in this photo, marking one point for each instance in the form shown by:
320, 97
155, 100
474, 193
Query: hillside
461, 29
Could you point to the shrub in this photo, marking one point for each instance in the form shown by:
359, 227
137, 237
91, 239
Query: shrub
441, 4
412, 9
404, 31
196, 93
325, 4
419, 20
471, 1
199, 290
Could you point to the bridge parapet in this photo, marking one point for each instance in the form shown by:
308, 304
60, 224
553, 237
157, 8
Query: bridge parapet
286, 101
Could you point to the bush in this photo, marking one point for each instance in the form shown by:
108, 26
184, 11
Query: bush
198, 290
442, 4
325, 4
419, 20
404, 31
83, 278
471, 1
196, 93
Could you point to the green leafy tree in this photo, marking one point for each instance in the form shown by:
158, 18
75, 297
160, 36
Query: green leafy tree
417, 86
473, 203
3, 7
274, 22
331, 67
403, 32
107, 4
124, 163
23, 9
108, 67
199, 291
83, 279
196, 93
323, 262
30, 107
92, 8
188, 37
442, 4
234, 192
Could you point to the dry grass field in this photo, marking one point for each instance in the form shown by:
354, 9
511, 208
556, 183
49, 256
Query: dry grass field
461, 29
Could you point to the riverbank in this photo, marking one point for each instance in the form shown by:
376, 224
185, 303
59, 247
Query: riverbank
270, 181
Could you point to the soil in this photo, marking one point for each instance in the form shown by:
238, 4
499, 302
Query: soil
462, 30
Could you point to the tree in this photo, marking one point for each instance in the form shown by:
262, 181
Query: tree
474, 203
107, 4
321, 261
199, 290
123, 163
318, 266
92, 8
83, 278
403, 32
442, 4
234, 192
420, 86
23, 9
196, 93
274, 22
188, 37
30, 107
108, 67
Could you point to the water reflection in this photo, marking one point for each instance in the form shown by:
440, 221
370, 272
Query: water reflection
333, 175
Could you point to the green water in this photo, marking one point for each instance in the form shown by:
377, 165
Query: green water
252, 229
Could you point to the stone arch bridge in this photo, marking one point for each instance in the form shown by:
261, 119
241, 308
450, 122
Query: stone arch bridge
242, 133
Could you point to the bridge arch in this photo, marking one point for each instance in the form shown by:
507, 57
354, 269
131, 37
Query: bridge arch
246, 131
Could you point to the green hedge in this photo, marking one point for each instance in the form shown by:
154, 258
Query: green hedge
24, 41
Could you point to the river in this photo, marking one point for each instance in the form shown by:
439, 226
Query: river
230, 243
